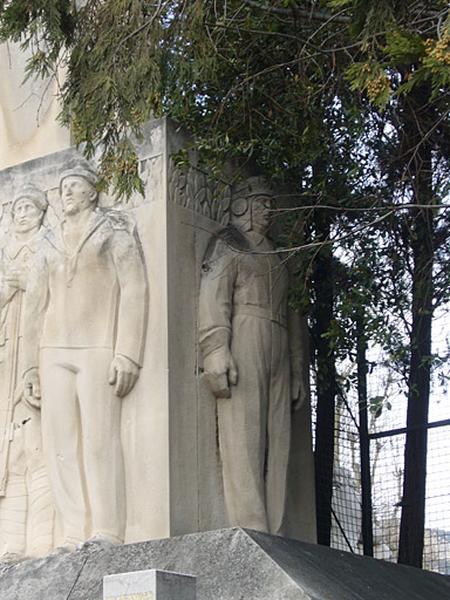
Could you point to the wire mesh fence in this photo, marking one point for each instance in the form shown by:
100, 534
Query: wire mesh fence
346, 502
386, 456
386, 415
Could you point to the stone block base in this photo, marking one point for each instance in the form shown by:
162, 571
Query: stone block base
229, 564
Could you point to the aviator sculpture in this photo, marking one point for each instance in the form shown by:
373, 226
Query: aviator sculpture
252, 357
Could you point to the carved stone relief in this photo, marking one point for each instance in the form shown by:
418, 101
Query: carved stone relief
77, 334
111, 232
252, 359
194, 189
26, 508
82, 338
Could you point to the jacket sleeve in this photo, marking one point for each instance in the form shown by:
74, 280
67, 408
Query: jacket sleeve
132, 313
35, 305
219, 271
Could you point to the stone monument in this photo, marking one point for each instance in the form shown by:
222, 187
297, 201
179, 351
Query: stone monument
129, 421
160, 416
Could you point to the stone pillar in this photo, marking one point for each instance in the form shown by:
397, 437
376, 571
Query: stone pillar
169, 429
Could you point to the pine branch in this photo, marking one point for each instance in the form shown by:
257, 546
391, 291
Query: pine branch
312, 15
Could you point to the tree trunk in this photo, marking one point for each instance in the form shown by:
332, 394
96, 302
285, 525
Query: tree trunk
412, 524
364, 440
326, 380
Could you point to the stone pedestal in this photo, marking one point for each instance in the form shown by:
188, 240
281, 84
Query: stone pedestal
149, 585
232, 564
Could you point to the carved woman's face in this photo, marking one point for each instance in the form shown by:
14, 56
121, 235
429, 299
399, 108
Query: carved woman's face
26, 215
77, 194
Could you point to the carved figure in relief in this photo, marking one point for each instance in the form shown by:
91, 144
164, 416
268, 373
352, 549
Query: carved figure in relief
26, 508
88, 295
252, 358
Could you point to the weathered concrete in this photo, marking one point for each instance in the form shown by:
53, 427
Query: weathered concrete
230, 564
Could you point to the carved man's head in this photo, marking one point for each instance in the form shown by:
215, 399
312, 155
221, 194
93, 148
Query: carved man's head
78, 191
28, 208
251, 206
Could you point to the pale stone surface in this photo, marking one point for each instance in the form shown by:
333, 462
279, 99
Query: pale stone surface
26, 508
253, 359
149, 585
231, 564
28, 111
168, 420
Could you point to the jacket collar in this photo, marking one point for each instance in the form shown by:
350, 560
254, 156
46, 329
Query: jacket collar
259, 241
56, 239
16, 246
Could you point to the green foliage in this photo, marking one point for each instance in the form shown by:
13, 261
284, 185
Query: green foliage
339, 3
371, 78
404, 47
315, 97
247, 81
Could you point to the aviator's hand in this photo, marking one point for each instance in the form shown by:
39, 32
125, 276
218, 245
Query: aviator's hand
32, 387
299, 391
123, 374
221, 372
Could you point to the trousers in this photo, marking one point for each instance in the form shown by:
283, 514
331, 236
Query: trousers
26, 510
254, 425
82, 442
